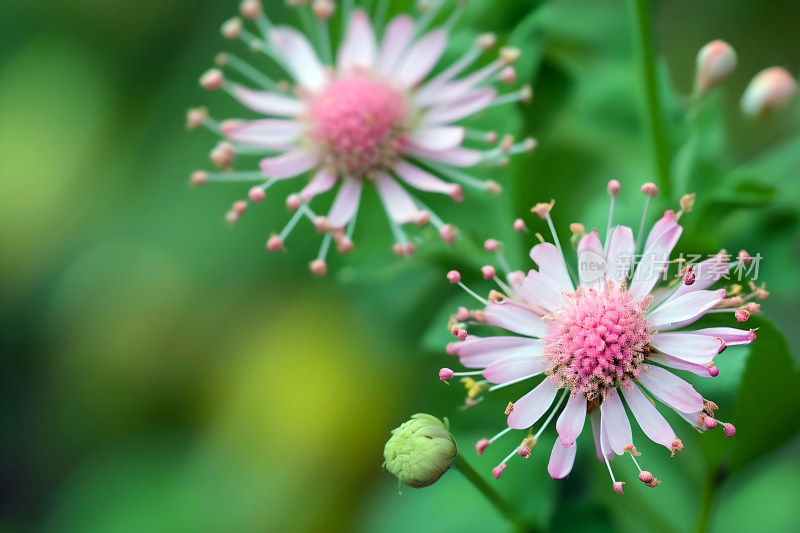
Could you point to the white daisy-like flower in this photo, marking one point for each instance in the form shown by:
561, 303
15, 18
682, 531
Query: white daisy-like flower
376, 116
613, 333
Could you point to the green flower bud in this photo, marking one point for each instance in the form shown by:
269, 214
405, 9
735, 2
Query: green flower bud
420, 450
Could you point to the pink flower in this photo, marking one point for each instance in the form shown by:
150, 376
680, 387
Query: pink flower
376, 116
613, 333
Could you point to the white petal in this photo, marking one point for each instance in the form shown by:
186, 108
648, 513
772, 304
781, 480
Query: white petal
653, 424
620, 254
299, 57
457, 157
512, 316
687, 346
541, 290
467, 105
268, 103
591, 260
670, 389
421, 58
398, 203
358, 49
476, 352
322, 182
600, 439
660, 228
570, 423
531, 407
731, 336
678, 364
684, 310
706, 273
288, 165
551, 264
346, 203
438, 138
615, 420
562, 459
271, 133
395, 40
513, 368
420, 179
655, 260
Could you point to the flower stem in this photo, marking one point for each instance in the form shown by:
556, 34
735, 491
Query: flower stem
500, 504
705, 510
644, 36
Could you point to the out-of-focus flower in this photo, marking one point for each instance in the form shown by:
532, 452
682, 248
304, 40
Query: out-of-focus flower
715, 62
376, 116
770, 89
420, 451
611, 335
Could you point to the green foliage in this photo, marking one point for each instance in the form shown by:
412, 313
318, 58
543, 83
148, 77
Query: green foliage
162, 373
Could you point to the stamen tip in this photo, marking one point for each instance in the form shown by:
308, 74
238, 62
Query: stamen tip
613, 188
212, 79
323, 9
319, 267
293, 202
481, 445
448, 233
650, 189
617, 486
196, 117
454, 276
493, 187
488, 271
199, 178
490, 245
519, 225
498, 470
487, 41
275, 244
257, 194
445, 374
730, 430
239, 207
250, 9
232, 28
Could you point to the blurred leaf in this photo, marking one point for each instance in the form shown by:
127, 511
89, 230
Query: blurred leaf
770, 382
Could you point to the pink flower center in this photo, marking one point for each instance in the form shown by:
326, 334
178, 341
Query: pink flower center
597, 341
359, 125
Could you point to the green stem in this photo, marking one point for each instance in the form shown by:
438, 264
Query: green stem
650, 78
705, 510
500, 504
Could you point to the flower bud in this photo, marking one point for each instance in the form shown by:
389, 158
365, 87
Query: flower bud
770, 89
420, 451
715, 62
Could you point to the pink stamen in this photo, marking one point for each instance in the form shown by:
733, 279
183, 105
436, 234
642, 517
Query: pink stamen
498, 470
481, 445
650, 189
257, 194
199, 178
319, 267
360, 124
454, 276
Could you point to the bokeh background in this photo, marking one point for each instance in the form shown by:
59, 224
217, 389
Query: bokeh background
161, 372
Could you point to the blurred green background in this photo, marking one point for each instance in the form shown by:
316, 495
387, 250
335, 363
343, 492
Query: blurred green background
161, 372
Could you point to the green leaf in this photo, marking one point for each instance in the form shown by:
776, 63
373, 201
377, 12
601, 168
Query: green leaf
769, 386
